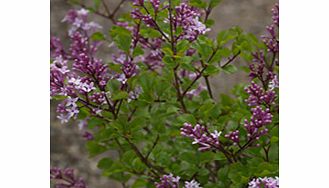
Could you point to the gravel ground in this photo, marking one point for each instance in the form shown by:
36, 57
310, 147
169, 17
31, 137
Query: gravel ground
67, 145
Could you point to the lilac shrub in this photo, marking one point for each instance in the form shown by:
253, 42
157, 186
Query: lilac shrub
153, 103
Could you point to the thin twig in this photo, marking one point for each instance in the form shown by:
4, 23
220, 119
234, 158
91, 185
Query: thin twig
153, 146
231, 59
106, 8
206, 78
116, 9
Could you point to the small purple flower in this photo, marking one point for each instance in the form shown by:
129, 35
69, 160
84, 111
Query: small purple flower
83, 85
196, 92
88, 136
264, 182
133, 95
201, 136
168, 181
234, 136
128, 67
274, 83
192, 184
98, 97
155, 4
138, 2
67, 109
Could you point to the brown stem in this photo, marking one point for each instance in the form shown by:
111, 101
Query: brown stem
153, 146
208, 86
200, 74
244, 146
231, 59
116, 9
266, 150
193, 82
106, 8
141, 157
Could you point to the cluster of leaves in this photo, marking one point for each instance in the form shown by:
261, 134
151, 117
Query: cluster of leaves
145, 130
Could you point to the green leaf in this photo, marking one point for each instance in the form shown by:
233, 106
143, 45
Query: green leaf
224, 52
210, 22
228, 35
138, 51
122, 37
98, 36
120, 95
274, 139
182, 46
198, 3
211, 70
140, 183
93, 122
230, 69
94, 148
167, 51
169, 61
105, 163
204, 47
188, 118
214, 3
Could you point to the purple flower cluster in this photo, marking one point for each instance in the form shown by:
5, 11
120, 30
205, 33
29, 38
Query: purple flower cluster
67, 109
270, 39
87, 74
168, 181
65, 178
147, 19
258, 96
275, 14
201, 136
263, 95
188, 17
259, 119
259, 69
264, 183
153, 58
78, 21
234, 136
128, 66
